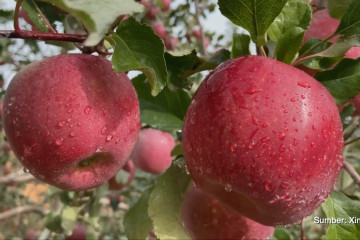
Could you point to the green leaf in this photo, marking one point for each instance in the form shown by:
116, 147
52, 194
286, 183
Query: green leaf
219, 57
53, 222
340, 207
97, 16
165, 203
282, 234
343, 81
137, 221
178, 65
137, 47
289, 45
295, 14
255, 16
342, 45
337, 8
159, 119
350, 23
68, 218
34, 16
240, 46
173, 102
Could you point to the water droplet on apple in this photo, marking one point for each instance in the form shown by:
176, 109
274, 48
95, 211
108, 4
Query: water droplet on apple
281, 136
302, 96
233, 147
284, 185
282, 148
108, 138
295, 142
265, 139
103, 130
87, 110
267, 186
304, 84
59, 141
72, 134
228, 187
117, 140
61, 124
26, 170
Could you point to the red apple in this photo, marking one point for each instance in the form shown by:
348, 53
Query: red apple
205, 217
166, 5
152, 152
75, 122
322, 26
159, 29
264, 143
171, 43
79, 233
130, 168
196, 33
31, 235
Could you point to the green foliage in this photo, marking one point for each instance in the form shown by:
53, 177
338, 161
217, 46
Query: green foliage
337, 8
254, 16
97, 16
241, 45
350, 23
137, 47
165, 203
343, 81
340, 207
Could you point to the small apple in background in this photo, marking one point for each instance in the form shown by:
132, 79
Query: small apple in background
31, 235
79, 233
322, 26
197, 34
74, 125
260, 142
205, 217
159, 29
130, 168
166, 5
152, 152
171, 43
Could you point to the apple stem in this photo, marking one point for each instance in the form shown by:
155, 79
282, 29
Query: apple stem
42, 36
202, 37
43, 17
302, 232
352, 172
261, 51
16, 15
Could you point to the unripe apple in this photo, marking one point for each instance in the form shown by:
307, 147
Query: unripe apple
78, 233
322, 26
130, 168
159, 29
71, 120
152, 152
205, 217
265, 138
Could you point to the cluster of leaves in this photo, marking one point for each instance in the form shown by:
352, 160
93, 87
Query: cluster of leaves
165, 88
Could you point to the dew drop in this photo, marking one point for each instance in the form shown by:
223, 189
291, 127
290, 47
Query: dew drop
61, 124
267, 186
281, 136
228, 187
304, 84
295, 142
302, 96
103, 130
26, 170
108, 138
251, 145
233, 147
72, 134
265, 139
282, 148
87, 110
252, 90
265, 124
117, 140
59, 141
284, 185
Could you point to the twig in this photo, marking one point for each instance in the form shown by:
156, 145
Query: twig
22, 209
16, 177
202, 37
16, 15
352, 172
43, 17
42, 36
352, 141
351, 128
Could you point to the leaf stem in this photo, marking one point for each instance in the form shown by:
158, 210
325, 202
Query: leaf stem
42, 36
352, 141
16, 15
352, 172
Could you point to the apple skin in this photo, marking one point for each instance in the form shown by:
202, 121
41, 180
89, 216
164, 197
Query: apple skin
205, 217
152, 152
130, 168
266, 144
78, 233
166, 5
71, 120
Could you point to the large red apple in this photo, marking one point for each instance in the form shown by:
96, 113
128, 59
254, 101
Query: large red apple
265, 138
71, 120
152, 152
205, 217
